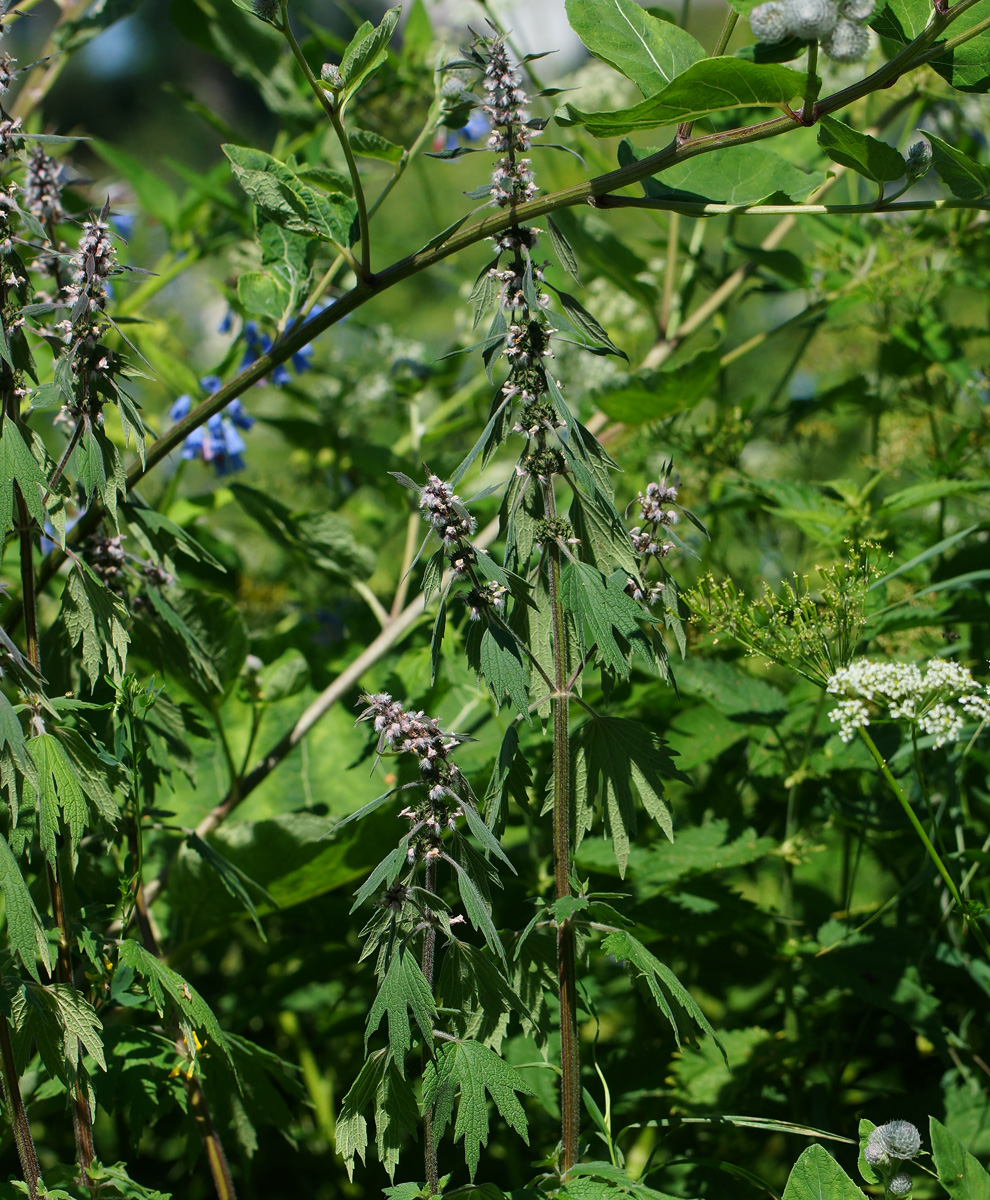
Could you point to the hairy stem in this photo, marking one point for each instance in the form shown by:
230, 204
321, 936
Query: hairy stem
429, 952
19, 1126
570, 1062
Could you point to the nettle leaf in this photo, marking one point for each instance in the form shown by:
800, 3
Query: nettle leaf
602, 1181
58, 788
504, 670
562, 248
959, 1172
617, 760
162, 981
817, 1174
710, 86
661, 981
860, 152
367, 52
601, 604
645, 49
471, 1069
472, 987
19, 469
403, 988
24, 928
962, 175
585, 325
396, 1117
351, 1131
58, 1019
736, 175
477, 908
373, 145
96, 618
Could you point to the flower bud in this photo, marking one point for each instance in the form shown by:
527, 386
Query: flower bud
848, 42
267, 10
875, 1154
919, 159
856, 10
900, 1185
900, 1139
768, 23
331, 76
812, 20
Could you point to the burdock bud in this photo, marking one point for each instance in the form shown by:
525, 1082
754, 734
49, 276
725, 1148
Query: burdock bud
900, 1139
812, 20
875, 1154
331, 76
919, 159
848, 42
452, 88
768, 22
857, 10
900, 1185
267, 10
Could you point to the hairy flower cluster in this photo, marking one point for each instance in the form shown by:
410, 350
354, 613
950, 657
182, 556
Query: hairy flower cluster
840, 27
937, 701
10, 136
888, 1148
655, 506
445, 512
416, 733
94, 262
43, 189
504, 106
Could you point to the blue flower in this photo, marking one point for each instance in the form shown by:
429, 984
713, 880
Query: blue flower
123, 223
257, 343
478, 127
218, 442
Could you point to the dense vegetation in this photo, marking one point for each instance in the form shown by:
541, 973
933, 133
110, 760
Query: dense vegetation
495, 640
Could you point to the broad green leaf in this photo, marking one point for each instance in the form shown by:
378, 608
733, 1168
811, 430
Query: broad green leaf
372, 145
162, 981
472, 987
471, 1069
234, 880
284, 677
19, 471
621, 760
967, 67
700, 734
404, 988
859, 151
602, 1181
351, 1132
216, 647
367, 51
710, 86
645, 49
606, 611
728, 687
504, 670
262, 295
654, 395
736, 175
59, 1020
24, 929
962, 175
817, 1176
962, 1175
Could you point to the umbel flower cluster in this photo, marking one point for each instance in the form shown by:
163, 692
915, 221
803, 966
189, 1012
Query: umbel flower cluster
839, 26
938, 701
887, 1149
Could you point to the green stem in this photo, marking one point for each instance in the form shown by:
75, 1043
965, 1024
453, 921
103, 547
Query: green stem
333, 112
812, 87
427, 964
895, 787
780, 210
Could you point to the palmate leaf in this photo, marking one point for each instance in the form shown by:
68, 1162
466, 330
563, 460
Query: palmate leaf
19, 469
613, 759
24, 928
162, 981
95, 618
600, 603
404, 988
59, 1020
504, 670
396, 1117
351, 1132
58, 788
661, 980
603, 1181
471, 1069
471, 985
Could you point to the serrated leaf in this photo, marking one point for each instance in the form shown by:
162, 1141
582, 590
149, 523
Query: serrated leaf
472, 986
19, 470
24, 929
816, 1175
605, 610
962, 175
403, 989
235, 882
586, 325
504, 670
709, 86
386, 871
477, 909
859, 151
472, 1070
661, 980
162, 981
396, 1117
351, 1131
59, 1020
95, 617
618, 760
58, 788
645, 49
